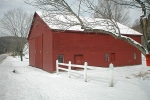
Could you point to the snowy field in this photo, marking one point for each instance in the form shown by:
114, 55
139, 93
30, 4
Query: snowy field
29, 83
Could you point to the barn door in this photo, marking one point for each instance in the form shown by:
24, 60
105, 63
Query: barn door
39, 52
78, 59
112, 56
32, 52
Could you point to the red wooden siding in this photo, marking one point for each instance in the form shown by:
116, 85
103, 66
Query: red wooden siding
93, 47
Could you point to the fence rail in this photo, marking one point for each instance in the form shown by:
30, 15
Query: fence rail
85, 66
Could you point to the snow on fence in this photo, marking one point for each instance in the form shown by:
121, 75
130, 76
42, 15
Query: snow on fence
85, 66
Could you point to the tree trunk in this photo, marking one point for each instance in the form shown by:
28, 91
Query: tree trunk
145, 24
21, 55
148, 33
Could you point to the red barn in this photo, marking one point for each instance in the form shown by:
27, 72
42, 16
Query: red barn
47, 44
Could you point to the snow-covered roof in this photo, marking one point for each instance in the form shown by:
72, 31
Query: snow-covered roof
68, 22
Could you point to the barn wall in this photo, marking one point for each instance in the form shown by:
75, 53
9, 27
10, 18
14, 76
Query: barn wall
41, 34
93, 48
31, 52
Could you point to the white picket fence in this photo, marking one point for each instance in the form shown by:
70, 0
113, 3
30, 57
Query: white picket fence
85, 66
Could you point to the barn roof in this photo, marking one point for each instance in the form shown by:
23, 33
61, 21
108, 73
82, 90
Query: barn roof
67, 22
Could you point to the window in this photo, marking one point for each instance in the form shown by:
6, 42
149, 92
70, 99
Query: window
60, 58
106, 57
134, 55
112, 56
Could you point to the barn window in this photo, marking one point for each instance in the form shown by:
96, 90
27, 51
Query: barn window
134, 55
106, 57
60, 58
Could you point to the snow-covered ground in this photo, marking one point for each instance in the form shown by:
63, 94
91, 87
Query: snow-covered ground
29, 83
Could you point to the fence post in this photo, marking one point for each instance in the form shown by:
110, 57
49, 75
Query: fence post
69, 69
85, 71
111, 75
57, 70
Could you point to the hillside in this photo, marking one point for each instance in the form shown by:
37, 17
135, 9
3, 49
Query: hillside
9, 43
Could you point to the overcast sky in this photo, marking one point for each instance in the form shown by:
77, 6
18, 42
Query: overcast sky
6, 5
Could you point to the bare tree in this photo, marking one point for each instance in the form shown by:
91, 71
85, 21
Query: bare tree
73, 15
16, 23
110, 10
136, 25
144, 5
